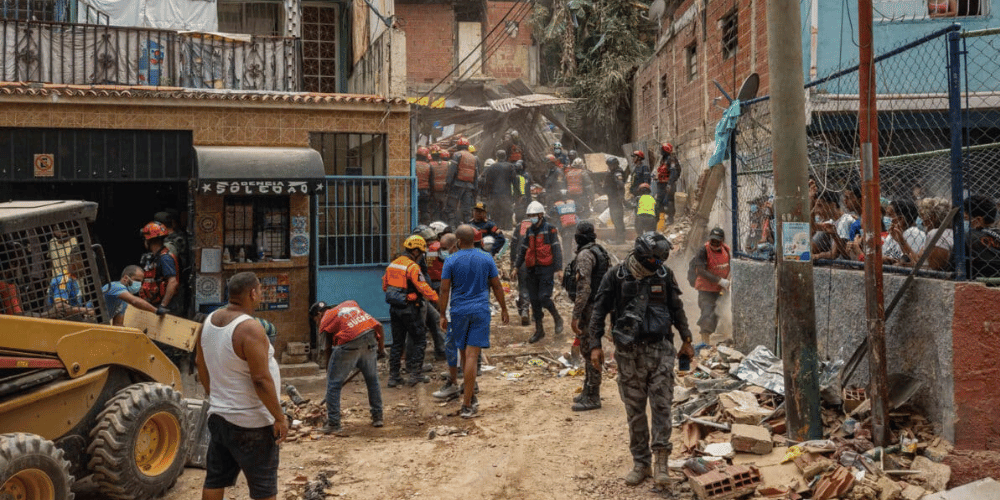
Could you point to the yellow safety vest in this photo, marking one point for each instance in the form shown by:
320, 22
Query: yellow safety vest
520, 186
647, 205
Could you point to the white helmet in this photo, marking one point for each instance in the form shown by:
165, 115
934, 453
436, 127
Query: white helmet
488, 242
578, 163
438, 227
535, 208
489, 163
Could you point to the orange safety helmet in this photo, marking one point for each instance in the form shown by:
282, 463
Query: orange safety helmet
435, 148
640, 154
667, 147
423, 151
154, 230
445, 154
462, 141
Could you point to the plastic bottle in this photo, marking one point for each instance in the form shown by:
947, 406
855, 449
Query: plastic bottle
241, 256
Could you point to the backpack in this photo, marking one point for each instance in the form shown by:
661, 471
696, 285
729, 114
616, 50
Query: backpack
600, 268
693, 268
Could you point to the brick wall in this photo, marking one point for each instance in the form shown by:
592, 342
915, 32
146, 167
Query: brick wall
430, 41
510, 60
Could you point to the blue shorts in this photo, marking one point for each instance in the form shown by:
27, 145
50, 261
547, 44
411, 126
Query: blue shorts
470, 329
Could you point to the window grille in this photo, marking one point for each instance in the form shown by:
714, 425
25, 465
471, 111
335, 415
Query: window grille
256, 229
913, 10
692, 61
730, 35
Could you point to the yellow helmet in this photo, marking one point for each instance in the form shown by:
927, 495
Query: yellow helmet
415, 241
472, 149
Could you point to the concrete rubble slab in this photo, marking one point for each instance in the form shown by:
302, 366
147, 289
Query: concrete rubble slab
979, 490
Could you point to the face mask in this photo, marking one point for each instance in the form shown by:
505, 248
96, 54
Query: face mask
534, 220
966, 224
886, 222
651, 263
134, 287
444, 254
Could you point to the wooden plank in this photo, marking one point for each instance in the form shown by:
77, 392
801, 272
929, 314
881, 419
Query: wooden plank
703, 211
596, 162
168, 329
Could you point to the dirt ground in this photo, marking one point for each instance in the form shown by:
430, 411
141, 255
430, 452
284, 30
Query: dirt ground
525, 443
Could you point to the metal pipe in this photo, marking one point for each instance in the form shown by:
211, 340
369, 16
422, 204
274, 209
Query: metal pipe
956, 126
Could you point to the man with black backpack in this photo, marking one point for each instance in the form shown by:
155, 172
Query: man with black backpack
581, 279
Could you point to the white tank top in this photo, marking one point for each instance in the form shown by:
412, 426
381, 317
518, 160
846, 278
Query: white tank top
232, 393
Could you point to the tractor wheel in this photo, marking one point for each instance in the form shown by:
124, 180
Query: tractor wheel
32, 468
138, 446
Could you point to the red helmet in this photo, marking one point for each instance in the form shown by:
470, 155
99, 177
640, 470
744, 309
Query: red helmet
423, 151
435, 149
445, 154
462, 141
667, 147
643, 186
552, 158
154, 230
640, 154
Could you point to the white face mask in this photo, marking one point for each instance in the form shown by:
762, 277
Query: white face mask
535, 219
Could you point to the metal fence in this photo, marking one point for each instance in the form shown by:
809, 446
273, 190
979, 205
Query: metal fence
362, 221
938, 101
90, 54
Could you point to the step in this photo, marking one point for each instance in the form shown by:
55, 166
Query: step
299, 370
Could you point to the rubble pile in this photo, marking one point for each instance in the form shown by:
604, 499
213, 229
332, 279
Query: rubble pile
729, 417
304, 420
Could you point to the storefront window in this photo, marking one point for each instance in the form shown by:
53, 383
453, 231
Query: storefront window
256, 228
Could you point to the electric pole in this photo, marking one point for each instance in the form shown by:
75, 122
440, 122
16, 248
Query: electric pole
796, 310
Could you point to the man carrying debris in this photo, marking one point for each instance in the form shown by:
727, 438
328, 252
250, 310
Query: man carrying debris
541, 255
405, 288
471, 274
712, 268
118, 295
581, 281
352, 338
240, 376
644, 301
463, 175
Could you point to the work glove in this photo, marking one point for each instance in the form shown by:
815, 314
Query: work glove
724, 283
160, 310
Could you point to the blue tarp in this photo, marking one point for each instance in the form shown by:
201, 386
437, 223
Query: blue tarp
723, 130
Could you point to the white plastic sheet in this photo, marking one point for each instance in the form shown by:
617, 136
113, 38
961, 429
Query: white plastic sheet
199, 15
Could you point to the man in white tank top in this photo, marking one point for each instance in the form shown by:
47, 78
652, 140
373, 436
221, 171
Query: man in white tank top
237, 369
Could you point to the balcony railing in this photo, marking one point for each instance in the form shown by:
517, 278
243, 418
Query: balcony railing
88, 54
63, 11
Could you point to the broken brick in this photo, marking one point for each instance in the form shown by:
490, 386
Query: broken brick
888, 489
833, 484
813, 464
751, 439
726, 483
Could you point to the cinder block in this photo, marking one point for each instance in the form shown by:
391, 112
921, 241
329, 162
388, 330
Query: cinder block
726, 483
751, 439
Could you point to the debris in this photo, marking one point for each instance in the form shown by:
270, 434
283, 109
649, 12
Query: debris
853, 397
743, 407
833, 484
761, 367
813, 464
734, 481
912, 492
938, 449
778, 493
709, 423
720, 450
979, 490
751, 439
445, 430
933, 476
888, 489
729, 354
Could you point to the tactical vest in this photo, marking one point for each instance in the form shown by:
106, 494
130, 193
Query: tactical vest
574, 181
515, 153
466, 167
656, 322
423, 175
154, 287
602, 261
435, 264
519, 189
440, 170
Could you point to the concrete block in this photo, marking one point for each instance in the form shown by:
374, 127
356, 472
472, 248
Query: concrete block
298, 370
912, 492
751, 439
979, 490
833, 484
813, 464
933, 475
726, 483
888, 489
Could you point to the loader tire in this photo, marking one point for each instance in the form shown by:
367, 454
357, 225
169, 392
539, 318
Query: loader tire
32, 468
138, 446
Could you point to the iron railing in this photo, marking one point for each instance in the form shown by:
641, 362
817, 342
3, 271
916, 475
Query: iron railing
63, 11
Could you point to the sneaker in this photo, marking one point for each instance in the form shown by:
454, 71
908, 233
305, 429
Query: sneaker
448, 391
331, 427
377, 422
468, 412
475, 402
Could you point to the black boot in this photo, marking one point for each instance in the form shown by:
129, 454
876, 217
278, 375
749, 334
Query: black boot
558, 320
591, 399
583, 394
539, 333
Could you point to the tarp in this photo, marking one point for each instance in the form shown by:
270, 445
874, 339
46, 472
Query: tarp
200, 15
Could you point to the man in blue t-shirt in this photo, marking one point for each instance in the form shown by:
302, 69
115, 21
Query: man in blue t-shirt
118, 295
471, 273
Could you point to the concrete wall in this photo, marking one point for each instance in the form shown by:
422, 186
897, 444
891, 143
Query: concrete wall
977, 342
430, 42
918, 334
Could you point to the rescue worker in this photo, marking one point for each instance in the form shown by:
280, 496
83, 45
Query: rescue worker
553, 183
431, 264
712, 268
643, 299
560, 155
463, 173
440, 160
425, 177
486, 227
645, 210
571, 156
521, 190
566, 215
159, 283
640, 172
579, 187
667, 175
614, 188
581, 282
499, 183
405, 288
541, 255
523, 298
514, 147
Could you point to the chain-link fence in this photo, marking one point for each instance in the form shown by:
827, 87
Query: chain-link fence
939, 147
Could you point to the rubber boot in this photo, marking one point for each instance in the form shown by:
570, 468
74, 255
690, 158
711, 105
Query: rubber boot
559, 322
591, 401
662, 471
539, 333
638, 474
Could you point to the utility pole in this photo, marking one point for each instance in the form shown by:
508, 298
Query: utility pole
796, 308
871, 223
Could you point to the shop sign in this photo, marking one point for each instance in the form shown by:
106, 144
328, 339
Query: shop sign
269, 187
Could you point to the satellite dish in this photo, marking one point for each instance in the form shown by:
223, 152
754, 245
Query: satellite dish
749, 88
656, 10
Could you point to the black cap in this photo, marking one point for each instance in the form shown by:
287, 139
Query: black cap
318, 308
717, 234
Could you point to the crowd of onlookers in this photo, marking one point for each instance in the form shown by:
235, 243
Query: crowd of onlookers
910, 228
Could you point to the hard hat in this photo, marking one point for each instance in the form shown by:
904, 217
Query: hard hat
535, 208
154, 230
652, 245
423, 151
415, 241
445, 154
488, 242
440, 227
435, 149
519, 164
572, 153
578, 163
644, 186
559, 203
667, 147
472, 149
611, 161
515, 134
640, 154
489, 163
425, 232
557, 145
462, 141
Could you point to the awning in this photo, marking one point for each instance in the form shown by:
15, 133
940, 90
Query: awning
258, 171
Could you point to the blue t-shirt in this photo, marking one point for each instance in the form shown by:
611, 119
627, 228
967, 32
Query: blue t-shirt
111, 292
470, 271
64, 288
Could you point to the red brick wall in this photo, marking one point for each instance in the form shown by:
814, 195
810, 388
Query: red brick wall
975, 344
509, 61
430, 41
